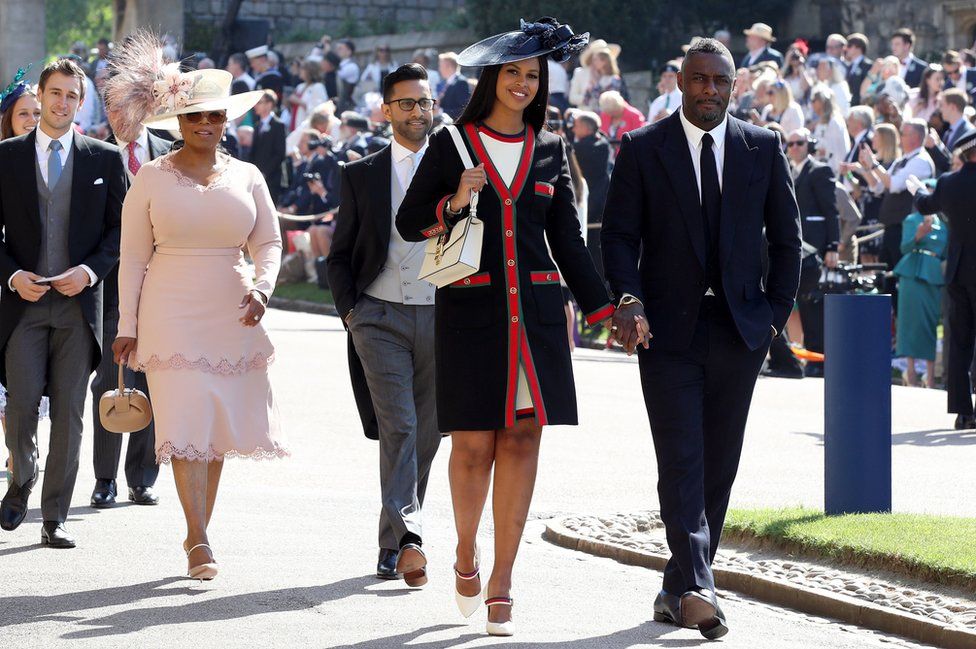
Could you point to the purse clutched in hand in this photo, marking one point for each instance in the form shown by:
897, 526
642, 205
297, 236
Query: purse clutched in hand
124, 410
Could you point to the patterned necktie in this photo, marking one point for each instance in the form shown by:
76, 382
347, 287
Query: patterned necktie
134, 163
53, 164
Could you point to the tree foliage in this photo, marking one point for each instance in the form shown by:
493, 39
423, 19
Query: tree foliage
650, 31
68, 21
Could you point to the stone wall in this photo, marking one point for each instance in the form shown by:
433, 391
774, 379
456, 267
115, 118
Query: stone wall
296, 20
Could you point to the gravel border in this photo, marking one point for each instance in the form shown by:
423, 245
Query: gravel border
815, 601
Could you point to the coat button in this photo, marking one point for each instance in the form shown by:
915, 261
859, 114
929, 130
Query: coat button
513, 290
508, 201
511, 262
509, 233
514, 318
467, 281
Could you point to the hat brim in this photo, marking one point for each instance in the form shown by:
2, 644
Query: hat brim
235, 105
610, 48
488, 52
769, 38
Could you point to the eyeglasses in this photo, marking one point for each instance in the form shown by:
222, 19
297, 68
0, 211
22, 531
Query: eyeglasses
407, 105
795, 143
213, 117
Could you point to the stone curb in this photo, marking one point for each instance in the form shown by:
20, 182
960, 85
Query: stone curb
303, 306
783, 593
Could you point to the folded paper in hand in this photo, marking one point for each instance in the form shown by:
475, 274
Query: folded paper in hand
48, 280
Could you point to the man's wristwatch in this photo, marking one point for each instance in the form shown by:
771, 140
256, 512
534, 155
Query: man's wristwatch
629, 299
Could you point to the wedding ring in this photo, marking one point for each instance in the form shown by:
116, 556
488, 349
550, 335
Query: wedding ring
613, 328
256, 318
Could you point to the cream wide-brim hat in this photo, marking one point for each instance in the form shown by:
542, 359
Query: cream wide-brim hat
599, 45
762, 30
197, 91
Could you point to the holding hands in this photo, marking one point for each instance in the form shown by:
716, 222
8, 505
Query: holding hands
629, 327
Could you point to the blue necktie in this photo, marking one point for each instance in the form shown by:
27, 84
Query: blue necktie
53, 164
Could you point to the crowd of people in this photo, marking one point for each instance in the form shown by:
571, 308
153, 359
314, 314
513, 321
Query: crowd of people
835, 158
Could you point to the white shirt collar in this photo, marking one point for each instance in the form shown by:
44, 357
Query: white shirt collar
694, 134
401, 153
142, 141
44, 140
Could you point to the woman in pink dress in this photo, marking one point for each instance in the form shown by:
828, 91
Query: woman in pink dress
189, 311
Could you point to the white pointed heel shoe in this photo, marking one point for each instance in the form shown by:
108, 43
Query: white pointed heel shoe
504, 629
204, 571
468, 605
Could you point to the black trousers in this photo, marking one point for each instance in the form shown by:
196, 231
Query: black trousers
891, 255
810, 302
962, 332
697, 403
140, 455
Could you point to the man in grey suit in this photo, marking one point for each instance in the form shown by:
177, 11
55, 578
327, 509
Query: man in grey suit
137, 146
390, 317
60, 211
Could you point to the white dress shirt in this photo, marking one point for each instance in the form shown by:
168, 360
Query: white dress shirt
694, 136
918, 163
42, 142
142, 151
558, 79
669, 102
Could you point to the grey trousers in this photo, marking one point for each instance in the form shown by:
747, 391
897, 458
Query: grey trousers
395, 343
141, 469
52, 348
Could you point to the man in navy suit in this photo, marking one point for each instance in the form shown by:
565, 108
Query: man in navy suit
759, 42
457, 90
858, 65
952, 104
912, 67
694, 200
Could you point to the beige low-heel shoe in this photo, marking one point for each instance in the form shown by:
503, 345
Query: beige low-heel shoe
204, 571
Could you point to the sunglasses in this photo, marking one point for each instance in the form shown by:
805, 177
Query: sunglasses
407, 105
795, 143
213, 117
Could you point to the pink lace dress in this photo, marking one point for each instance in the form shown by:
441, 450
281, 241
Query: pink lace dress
182, 277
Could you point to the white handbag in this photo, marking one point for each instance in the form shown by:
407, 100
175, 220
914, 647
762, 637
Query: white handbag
456, 254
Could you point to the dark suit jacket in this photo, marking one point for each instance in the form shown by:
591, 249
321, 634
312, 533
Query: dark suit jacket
855, 77
953, 197
268, 152
915, 69
654, 241
817, 201
455, 97
94, 229
593, 155
360, 246
768, 54
941, 153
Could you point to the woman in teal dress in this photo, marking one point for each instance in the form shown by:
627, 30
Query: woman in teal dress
920, 281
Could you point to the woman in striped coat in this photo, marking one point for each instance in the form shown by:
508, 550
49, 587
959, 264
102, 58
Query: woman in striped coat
502, 355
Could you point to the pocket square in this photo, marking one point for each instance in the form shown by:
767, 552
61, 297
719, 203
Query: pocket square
98, 181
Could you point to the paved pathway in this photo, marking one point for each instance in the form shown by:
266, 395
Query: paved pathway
295, 539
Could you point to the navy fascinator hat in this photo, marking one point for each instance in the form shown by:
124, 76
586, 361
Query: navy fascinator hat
545, 37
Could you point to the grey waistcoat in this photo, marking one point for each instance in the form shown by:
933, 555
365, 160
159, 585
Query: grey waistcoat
55, 212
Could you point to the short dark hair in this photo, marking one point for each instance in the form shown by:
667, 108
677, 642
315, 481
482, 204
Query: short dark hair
709, 46
68, 68
956, 97
348, 43
858, 40
905, 34
408, 72
239, 59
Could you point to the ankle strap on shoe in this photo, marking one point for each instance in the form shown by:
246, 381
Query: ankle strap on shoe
198, 545
467, 576
498, 601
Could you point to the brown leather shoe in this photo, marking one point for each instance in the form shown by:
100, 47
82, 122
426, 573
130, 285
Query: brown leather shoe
416, 579
412, 564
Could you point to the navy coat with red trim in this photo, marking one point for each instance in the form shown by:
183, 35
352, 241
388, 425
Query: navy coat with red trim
510, 312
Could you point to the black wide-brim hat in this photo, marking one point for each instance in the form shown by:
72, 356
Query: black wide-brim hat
545, 37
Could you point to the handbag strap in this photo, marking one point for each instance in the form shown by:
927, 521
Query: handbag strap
121, 399
465, 160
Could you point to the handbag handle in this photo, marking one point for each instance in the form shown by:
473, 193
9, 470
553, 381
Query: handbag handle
468, 164
121, 399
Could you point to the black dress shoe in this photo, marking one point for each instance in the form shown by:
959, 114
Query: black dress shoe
13, 509
965, 423
814, 370
143, 496
104, 494
700, 609
53, 534
386, 564
783, 373
667, 608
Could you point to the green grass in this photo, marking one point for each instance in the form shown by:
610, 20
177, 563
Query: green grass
934, 548
303, 291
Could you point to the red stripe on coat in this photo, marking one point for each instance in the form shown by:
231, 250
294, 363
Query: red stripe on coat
481, 279
600, 315
544, 276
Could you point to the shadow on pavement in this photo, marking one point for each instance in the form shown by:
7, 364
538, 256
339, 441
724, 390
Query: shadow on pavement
217, 609
647, 633
931, 437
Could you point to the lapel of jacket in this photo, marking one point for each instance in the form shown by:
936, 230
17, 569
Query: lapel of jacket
158, 147
81, 181
676, 160
739, 161
381, 202
27, 173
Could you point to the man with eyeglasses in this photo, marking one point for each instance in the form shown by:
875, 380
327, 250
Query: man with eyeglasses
813, 184
389, 314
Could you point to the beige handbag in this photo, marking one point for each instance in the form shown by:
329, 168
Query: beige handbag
124, 410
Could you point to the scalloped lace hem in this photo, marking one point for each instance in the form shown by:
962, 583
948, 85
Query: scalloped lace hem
166, 452
226, 367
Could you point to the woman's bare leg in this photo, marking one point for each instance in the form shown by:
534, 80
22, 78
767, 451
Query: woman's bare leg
469, 470
191, 485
